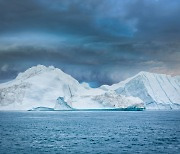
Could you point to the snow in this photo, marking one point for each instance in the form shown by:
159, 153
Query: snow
49, 87
158, 91
85, 85
38, 86
113, 99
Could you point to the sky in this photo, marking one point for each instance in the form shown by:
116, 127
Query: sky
95, 41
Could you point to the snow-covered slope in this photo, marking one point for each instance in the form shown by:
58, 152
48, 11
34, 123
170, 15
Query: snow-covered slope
158, 91
41, 87
38, 86
107, 100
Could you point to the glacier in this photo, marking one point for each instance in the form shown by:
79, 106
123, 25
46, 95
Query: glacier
49, 88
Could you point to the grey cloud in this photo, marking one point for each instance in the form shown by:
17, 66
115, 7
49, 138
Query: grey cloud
93, 40
156, 20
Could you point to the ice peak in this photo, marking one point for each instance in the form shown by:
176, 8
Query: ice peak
34, 71
144, 73
147, 74
40, 68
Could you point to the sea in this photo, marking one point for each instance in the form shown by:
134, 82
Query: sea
93, 132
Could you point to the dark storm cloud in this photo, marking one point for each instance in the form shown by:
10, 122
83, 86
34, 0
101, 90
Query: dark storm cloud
70, 17
156, 20
93, 40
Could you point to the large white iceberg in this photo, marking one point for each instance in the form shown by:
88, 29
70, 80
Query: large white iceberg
44, 88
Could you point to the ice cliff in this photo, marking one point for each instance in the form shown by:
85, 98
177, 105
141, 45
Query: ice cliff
157, 91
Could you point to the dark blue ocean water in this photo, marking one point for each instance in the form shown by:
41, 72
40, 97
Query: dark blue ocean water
90, 132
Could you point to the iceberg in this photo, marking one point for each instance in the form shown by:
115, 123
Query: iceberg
157, 91
49, 88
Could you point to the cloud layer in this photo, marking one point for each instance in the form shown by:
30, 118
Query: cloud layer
103, 41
